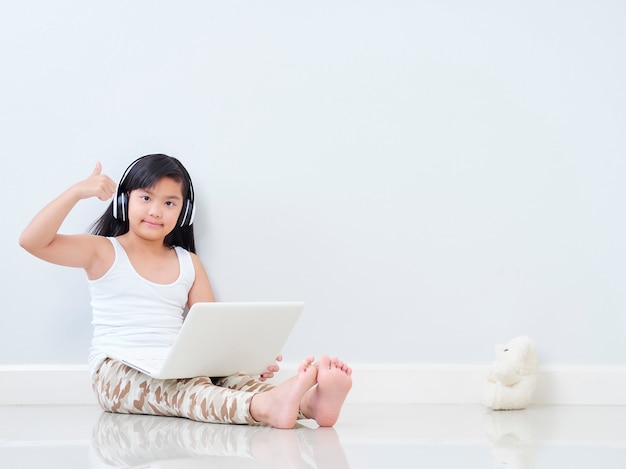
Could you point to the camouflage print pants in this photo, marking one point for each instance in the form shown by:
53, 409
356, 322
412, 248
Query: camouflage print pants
121, 389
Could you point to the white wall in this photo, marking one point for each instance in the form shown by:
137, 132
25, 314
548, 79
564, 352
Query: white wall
432, 178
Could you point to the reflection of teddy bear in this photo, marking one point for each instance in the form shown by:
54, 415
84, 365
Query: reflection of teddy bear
511, 441
512, 377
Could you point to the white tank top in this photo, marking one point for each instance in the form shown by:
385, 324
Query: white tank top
130, 311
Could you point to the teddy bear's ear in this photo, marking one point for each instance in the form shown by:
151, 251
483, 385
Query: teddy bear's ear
520, 341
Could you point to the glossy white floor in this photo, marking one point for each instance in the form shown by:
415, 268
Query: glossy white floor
366, 436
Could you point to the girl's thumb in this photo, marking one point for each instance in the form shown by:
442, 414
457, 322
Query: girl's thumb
98, 169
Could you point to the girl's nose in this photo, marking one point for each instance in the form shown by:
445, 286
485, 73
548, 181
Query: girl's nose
155, 210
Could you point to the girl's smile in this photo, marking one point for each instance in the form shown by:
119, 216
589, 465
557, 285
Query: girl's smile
152, 224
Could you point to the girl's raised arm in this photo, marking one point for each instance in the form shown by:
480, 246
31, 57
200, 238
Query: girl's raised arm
41, 237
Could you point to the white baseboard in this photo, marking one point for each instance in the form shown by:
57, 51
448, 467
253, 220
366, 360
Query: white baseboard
375, 383
45, 385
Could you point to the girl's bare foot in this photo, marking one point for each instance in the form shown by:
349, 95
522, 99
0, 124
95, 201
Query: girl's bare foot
279, 407
324, 401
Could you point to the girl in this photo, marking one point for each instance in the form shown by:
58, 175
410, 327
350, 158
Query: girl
142, 272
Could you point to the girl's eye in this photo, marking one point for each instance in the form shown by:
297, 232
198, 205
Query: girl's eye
169, 203
145, 197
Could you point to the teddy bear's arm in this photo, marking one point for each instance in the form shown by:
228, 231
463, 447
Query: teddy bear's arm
506, 375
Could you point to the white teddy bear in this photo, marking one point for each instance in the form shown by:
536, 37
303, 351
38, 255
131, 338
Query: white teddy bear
512, 378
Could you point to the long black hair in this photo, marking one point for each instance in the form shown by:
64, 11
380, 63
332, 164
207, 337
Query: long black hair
144, 173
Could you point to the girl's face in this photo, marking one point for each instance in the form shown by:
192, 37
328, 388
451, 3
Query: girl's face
153, 212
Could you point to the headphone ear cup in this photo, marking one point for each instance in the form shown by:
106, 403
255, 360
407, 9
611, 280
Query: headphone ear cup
120, 207
187, 214
193, 212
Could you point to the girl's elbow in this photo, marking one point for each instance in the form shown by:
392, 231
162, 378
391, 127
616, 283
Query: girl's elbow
28, 244
24, 242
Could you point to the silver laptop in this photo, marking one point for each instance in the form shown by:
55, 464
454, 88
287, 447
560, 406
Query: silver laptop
219, 339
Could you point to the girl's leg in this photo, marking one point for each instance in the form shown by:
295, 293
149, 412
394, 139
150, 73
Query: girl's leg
242, 382
122, 389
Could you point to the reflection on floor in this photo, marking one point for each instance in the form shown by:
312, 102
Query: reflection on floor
366, 436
